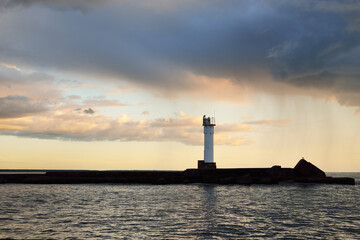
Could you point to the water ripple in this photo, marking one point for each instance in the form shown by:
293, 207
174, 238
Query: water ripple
195, 211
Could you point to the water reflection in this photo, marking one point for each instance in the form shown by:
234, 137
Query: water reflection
209, 200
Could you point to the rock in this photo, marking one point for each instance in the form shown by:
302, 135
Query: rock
306, 169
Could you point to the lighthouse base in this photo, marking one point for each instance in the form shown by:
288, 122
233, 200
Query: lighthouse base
203, 165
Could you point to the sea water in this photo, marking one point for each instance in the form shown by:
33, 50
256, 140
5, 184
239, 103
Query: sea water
193, 211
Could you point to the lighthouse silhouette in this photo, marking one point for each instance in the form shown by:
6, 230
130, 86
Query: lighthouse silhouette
208, 162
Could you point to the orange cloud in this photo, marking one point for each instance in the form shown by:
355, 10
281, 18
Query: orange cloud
223, 89
10, 66
74, 125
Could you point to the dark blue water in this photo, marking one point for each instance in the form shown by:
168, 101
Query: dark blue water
196, 211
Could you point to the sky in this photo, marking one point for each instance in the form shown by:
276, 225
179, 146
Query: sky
123, 85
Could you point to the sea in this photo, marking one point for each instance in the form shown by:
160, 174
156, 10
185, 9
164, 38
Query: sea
184, 211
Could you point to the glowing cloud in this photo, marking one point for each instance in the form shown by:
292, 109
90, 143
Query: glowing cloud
73, 125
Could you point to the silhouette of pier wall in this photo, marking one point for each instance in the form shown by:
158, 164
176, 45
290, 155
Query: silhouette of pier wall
304, 172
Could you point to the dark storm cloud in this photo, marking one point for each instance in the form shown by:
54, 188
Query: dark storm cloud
307, 44
82, 5
19, 106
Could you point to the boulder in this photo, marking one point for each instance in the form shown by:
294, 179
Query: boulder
306, 169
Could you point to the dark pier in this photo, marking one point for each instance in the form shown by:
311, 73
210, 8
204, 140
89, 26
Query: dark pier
303, 172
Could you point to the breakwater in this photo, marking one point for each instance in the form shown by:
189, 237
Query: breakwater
304, 172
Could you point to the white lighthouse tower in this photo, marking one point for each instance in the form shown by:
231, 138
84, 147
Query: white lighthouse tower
208, 162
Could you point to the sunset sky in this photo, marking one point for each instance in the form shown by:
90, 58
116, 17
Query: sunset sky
122, 85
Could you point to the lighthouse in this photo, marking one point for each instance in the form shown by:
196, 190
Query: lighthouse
208, 162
